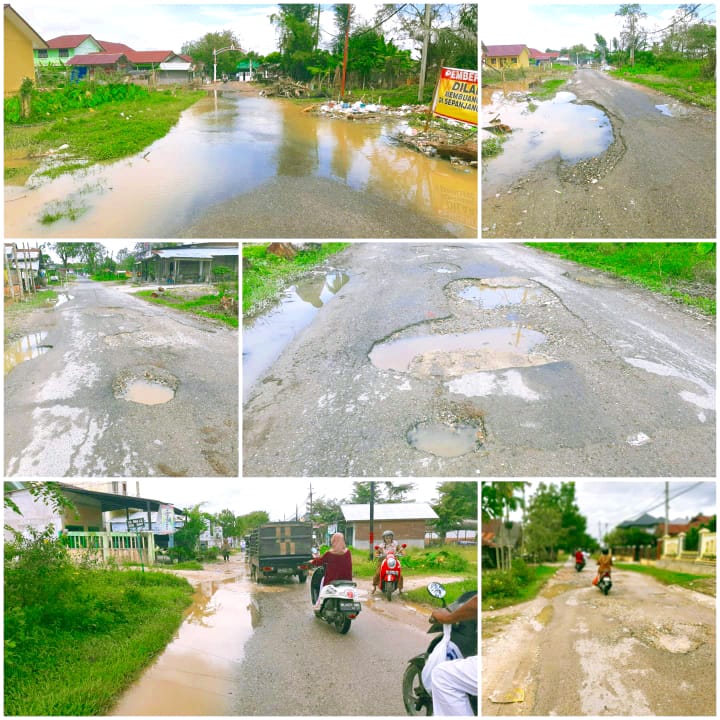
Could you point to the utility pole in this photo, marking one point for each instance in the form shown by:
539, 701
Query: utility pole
345, 57
311, 505
426, 43
371, 536
667, 507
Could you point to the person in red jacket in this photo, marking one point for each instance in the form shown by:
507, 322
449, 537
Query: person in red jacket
337, 562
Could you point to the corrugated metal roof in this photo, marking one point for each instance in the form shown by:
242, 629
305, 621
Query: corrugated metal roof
194, 253
175, 66
389, 511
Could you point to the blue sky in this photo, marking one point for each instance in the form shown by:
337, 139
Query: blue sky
541, 25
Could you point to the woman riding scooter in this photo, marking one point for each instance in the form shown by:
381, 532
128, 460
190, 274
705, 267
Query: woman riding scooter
337, 562
389, 546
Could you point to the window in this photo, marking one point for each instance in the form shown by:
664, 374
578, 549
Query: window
64, 52
42, 54
513, 60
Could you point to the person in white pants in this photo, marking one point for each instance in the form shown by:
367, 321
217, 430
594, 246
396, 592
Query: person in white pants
454, 680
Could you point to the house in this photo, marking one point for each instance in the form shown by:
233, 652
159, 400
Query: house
188, 263
510, 56
645, 522
409, 523
97, 64
245, 70
61, 49
538, 58
498, 538
21, 41
21, 265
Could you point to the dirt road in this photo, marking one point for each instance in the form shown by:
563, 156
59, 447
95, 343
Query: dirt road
65, 412
645, 649
559, 371
657, 179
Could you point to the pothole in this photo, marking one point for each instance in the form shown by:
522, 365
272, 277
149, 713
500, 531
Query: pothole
491, 293
146, 386
455, 354
446, 439
26, 348
441, 267
595, 280
62, 298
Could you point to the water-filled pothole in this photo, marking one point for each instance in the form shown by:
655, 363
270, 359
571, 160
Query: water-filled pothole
453, 354
490, 293
146, 386
445, 440
26, 348
442, 267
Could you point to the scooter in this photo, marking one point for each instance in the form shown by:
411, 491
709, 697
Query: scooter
417, 700
579, 565
337, 603
390, 572
605, 583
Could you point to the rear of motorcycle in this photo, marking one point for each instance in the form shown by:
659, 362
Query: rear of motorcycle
605, 584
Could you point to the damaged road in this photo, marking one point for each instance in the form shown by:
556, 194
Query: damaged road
485, 360
656, 180
645, 649
125, 388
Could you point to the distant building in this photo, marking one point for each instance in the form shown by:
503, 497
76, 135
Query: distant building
21, 41
409, 523
509, 56
188, 263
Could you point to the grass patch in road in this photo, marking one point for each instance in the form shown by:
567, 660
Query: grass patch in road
496, 624
97, 134
501, 588
701, 583
76, 637
206, 305
269, 274
491, 147
685, 271
547, 89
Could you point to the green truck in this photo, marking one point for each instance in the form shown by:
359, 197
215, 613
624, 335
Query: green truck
279, 550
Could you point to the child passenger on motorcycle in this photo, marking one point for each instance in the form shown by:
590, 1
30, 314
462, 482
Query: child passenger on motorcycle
337, 561
389, 546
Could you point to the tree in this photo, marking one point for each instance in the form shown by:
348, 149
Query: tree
297, 38
245, 523
324, 511
632, 32
500, 498
91, 254
227, 521
457, 502
201, 51
50, 493
601, 46
629, 537
396, 492
66, 251
187, 537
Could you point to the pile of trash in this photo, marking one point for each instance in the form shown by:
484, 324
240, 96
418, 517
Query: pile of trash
445, 142
362, 110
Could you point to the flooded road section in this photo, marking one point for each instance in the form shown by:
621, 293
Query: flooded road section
26, 348
541, 130
196, 673
265, 336
227, 146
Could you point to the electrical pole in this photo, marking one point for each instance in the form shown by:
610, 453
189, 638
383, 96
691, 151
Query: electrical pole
426, 43
345, 57
371, 536
667, 507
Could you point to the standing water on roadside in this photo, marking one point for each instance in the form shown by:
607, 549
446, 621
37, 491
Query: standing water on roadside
265, 336
229, 147
541, 130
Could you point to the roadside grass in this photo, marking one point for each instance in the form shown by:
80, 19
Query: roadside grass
502, 588
684, 271
683, 80
268, 275
531, 73
94, 134
14, 311
417, 561
206, 305
700, 583
491, 147
74, 652
453, 589
547, 89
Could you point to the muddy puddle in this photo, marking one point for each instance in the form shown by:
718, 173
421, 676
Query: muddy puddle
62, 298
445, 440
148, 393
559, 128
265, 336
26, 348
491, 293
453, 354
196, 673
226, 146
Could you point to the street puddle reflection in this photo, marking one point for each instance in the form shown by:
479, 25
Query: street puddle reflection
196, 673
488, 298
148, 393
265, 336
445, 440
27, 348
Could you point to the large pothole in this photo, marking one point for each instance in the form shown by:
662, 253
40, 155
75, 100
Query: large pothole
146, 386
445, 439
491, 293
26, 348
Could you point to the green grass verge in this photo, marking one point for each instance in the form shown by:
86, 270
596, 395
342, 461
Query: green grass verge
454, 591
269, 274
700, 583
206, 306
99, 134
78, 664
522, 593
547, 89
685, 271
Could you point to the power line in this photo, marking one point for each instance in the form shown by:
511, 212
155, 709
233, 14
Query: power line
676, 495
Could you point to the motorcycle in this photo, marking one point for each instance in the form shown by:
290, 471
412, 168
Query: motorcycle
390, 572
579, 565
417, 700
605, 583
336, 603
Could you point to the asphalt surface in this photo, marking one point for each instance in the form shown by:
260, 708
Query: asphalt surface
656, 181
62, 416
621, 385
644, 649
248, 649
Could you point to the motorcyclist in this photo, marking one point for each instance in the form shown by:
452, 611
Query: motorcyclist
389, 546
604, 563
454, 680
337, 562
579, 556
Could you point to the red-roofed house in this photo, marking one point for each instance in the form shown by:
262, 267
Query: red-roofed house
497, 56
62, 48
542, 58
113, 47
95, 64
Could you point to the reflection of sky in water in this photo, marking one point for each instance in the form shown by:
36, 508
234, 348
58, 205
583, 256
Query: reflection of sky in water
489, 298
265, 337
558, 128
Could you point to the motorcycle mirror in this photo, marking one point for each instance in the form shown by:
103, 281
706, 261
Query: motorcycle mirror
436, 590
404, 545
377, 547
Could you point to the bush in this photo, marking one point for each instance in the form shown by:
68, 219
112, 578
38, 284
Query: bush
499, 583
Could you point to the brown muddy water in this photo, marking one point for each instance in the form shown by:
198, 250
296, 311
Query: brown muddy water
445, 440
226, 146
196, 673
265, 336
559, 128
148, 393
26, 348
